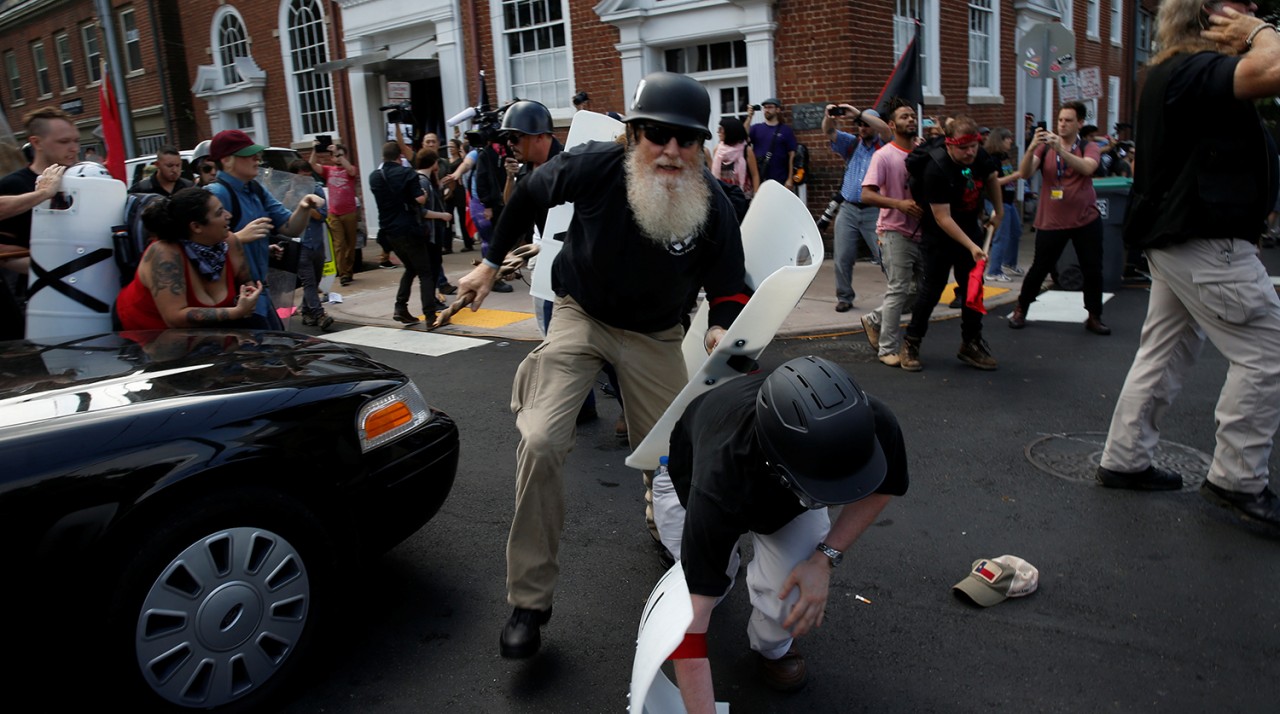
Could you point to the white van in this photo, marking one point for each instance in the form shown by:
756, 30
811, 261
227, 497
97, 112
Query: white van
273, 157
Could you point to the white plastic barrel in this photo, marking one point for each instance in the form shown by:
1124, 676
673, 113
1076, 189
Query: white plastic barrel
74, 226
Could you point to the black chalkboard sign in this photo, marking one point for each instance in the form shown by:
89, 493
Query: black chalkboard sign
807, 117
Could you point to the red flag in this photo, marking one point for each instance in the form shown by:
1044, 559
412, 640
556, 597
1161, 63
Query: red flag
112, 135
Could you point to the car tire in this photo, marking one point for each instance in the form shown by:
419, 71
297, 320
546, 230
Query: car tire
217, 605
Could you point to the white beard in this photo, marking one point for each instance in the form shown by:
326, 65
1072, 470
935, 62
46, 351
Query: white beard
668, 208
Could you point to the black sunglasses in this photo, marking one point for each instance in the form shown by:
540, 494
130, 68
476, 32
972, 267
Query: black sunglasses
208, 169
660, 134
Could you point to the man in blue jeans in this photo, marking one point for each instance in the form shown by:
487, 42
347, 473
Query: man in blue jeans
856, 220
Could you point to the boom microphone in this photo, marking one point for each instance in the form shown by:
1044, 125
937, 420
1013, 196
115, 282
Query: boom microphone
464, 115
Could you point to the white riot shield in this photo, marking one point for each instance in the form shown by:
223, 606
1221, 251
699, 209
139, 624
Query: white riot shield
783, 251
587, 126
666, 617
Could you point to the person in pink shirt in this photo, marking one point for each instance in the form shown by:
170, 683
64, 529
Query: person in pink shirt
885, 186
339, 175
1067, 213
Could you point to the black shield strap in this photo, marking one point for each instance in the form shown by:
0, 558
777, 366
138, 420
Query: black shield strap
53, 279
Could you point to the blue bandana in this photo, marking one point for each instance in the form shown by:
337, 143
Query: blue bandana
209, 259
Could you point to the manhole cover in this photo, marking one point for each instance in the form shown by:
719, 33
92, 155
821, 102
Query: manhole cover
1075, 457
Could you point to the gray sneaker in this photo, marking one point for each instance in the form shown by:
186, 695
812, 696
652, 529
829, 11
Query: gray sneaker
873, 331
976, 353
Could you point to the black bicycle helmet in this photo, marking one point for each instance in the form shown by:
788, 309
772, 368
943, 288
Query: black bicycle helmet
674, 99
819, 432
527, 117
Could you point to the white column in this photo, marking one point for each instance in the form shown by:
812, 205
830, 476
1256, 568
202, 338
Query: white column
368, 129
453, 69
761, 76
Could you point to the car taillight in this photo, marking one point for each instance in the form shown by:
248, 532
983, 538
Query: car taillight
389, 417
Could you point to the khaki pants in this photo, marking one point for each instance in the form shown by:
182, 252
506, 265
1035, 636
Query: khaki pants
343, 230
549, 387
903, 266
1217, 289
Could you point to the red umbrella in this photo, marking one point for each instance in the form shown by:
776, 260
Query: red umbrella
973, 298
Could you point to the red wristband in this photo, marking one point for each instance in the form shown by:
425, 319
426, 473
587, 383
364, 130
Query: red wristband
693, 646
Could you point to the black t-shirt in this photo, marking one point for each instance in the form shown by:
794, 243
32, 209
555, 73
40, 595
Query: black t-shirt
607, 265
963, 187
15, 184
149, 185
1007, 165
720, 476
395, 188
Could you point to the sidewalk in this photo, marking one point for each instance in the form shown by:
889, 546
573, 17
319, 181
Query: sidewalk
369, 300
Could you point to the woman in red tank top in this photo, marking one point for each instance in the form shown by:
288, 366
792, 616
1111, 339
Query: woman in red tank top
194, 274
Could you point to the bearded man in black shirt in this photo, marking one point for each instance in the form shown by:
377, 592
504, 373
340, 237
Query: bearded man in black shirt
650, 227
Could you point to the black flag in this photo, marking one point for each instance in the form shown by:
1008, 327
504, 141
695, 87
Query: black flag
904, 83
484, 94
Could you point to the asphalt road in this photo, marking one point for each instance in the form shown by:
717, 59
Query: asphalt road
1147, 602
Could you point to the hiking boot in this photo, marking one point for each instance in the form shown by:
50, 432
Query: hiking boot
1018, 319
785, 674
892, 359
1095, 325
402, 314
909, 357
843, 306
309, 320
522, 635
976, 353
873, 331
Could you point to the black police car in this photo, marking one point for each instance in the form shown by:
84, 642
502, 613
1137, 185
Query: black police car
182, 510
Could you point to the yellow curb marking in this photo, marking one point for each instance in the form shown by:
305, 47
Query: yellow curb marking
949, 293
488, 318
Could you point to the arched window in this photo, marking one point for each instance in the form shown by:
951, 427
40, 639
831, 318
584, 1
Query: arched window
308, 46
232, 41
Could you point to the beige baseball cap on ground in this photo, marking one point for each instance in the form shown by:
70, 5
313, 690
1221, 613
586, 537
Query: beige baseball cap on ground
992, 580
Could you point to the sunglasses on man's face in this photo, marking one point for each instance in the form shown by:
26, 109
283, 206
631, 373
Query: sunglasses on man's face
208, 169
661, 135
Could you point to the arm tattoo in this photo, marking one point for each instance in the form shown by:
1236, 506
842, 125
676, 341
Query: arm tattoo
203, 315
167, 273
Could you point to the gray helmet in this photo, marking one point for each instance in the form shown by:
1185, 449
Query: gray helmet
674, 99
201, 151
527, 117
818, 432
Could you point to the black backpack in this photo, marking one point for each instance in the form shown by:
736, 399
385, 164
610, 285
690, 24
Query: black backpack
131, 239
933, 149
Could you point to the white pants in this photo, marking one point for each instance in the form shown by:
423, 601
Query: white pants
1217, 289
776, 555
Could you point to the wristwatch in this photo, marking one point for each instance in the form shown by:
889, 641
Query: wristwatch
835, 555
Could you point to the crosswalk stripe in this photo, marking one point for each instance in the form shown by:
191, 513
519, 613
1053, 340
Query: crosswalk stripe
413, 341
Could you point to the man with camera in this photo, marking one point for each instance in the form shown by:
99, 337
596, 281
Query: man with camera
774, 143
1067, 212
400, 200
1199, 205
856, 220
329, 162
650, 227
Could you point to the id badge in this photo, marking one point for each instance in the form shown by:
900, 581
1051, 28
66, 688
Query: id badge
1056, 194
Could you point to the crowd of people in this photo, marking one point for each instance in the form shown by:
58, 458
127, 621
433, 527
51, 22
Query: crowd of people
656, 221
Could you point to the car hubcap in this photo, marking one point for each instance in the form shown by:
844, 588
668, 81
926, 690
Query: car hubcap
223, 617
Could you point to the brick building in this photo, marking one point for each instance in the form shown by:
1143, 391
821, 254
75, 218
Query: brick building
192, 67
51, 53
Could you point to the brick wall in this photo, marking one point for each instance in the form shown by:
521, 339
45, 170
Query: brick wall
143, 87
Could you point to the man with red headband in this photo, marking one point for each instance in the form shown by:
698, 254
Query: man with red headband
1067, 213
952, 181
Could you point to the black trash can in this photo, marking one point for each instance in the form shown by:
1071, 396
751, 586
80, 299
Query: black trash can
1113, 203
